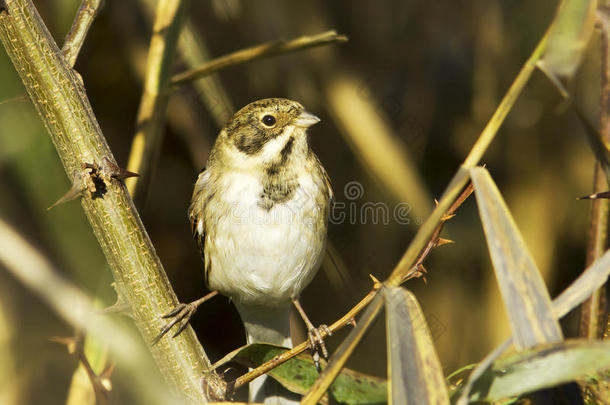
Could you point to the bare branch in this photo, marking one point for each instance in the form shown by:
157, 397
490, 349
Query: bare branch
258, 52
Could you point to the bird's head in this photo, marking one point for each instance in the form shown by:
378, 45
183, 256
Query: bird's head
268, 129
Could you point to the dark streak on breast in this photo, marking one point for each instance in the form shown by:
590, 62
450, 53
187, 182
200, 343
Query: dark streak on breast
278, 188
276, 193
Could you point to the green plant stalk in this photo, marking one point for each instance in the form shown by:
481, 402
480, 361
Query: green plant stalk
452, 191
59, 97
80, 27
592, 314
150, 126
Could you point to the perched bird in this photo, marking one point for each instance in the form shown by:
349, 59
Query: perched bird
259, 214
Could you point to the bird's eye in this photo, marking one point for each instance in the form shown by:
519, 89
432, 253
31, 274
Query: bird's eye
269, 120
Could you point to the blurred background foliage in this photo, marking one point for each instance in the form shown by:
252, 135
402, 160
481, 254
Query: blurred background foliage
420, 77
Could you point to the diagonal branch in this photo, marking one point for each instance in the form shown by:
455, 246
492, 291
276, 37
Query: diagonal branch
258, 52
82, 22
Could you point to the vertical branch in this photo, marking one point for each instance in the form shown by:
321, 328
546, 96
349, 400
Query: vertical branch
82, 22
61, 101
153, 104
592, 313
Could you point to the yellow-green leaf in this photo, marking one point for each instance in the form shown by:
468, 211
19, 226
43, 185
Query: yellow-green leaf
590, 280
525, 296
542, 367
414, 371
569, 36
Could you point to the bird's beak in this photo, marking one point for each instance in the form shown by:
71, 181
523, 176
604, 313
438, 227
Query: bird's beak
306, 119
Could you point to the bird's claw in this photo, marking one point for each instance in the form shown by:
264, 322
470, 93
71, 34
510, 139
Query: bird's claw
181, 314
316, 340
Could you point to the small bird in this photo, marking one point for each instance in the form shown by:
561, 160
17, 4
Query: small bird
259, 214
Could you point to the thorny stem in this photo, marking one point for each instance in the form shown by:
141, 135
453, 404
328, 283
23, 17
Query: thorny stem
416, 271
61, 101
82, 22
349, 317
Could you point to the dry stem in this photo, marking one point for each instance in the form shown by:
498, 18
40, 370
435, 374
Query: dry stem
257, 52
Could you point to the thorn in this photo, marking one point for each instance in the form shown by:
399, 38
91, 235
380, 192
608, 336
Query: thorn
77, 189
435, 201
74, 192
228, 370
443, 241
376, 283
104, 378
120, 307
352, 322
117, 172
69, 341
603, 194
446, 217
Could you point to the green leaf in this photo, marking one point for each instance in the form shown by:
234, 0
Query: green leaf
543, 367
569, 36
299, 373
415, 373
590, 280
525, 296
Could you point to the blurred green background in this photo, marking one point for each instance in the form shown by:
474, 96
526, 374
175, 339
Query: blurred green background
418, 76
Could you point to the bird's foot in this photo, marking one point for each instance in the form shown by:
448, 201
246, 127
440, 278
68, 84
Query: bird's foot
316, 341
181, 315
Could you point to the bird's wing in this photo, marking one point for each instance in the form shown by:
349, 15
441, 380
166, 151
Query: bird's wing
329, 187
196, 211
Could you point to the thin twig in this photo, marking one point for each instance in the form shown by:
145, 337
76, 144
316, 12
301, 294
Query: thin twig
257, 52
82, 22
345, 320
99, 388
432, 243
155, 97
592, 314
